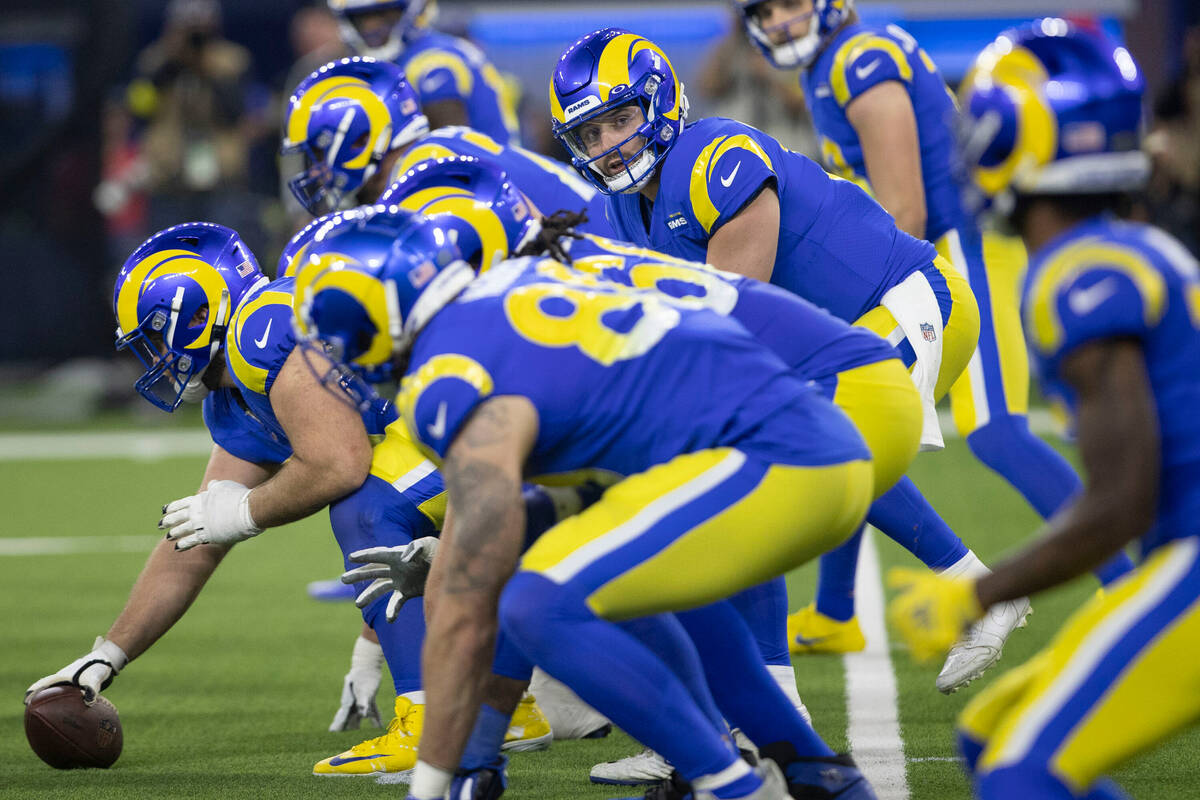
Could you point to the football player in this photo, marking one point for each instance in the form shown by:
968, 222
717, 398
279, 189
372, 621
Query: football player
885, 120
1052, 114
192, 305
727, 194
456, 83
582, 377
360, 126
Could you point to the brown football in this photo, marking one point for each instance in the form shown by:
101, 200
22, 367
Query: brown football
67, 733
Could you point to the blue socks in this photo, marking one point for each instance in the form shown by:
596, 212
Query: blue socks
613, 672
904, 515
745, 692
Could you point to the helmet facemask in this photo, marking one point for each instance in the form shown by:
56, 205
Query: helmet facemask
636, 169
174, 372
792, 52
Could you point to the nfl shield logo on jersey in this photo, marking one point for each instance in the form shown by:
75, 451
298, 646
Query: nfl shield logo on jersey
928, 332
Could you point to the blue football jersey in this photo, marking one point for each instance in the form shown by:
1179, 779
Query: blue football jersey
442, 67
837, 247
861, 57
621, 379
1106, 279
814, 343
259, 340
550, 185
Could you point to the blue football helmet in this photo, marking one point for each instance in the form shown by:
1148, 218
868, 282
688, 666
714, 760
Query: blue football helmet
296, 250
826, 15
173, 301
370, 282
1052, 108
382, 41
344, 118
474, 198
604, 71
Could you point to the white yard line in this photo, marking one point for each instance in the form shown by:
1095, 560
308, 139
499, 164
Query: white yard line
874, 721
139, 445
61, 545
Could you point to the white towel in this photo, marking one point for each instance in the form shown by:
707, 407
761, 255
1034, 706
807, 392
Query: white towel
915, 307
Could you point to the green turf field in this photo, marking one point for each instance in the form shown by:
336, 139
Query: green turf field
234, 702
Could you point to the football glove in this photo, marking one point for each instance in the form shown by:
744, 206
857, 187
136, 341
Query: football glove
92, 673
218, 515
359, 688
399, 570
931, 612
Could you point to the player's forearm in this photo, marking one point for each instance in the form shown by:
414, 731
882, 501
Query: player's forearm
303, 487
1076, 540
456, 659
169, 583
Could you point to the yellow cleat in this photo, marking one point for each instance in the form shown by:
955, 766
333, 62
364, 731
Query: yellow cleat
810, 631
529, 729
393, 754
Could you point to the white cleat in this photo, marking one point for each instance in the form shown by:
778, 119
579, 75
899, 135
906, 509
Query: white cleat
982, 645
644, 768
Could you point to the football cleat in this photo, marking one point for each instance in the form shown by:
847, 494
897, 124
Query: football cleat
529, 729
810, 631
394, 754
644, 768
982, 645
828, 778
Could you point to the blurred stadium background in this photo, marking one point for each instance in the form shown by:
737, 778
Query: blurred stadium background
96, 157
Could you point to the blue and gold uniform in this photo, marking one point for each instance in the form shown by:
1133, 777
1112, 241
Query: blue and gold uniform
632, 388
856, 369
442, 67
625, 386
402, 499
837, 248
548, 184
1126, 661
991, 398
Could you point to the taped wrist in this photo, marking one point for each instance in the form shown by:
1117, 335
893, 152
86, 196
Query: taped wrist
366, 655
244, 517
429, 782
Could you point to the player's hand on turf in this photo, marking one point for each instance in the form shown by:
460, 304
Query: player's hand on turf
91, 673
931, 612
399, 570
218, 515
358, 701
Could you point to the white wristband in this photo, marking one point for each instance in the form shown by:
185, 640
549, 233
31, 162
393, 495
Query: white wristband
429, 782
244, 515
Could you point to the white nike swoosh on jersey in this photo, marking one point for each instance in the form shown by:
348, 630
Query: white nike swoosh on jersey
823, 91
866, 70
1084, 301
261, 343
438, 429
727, 181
